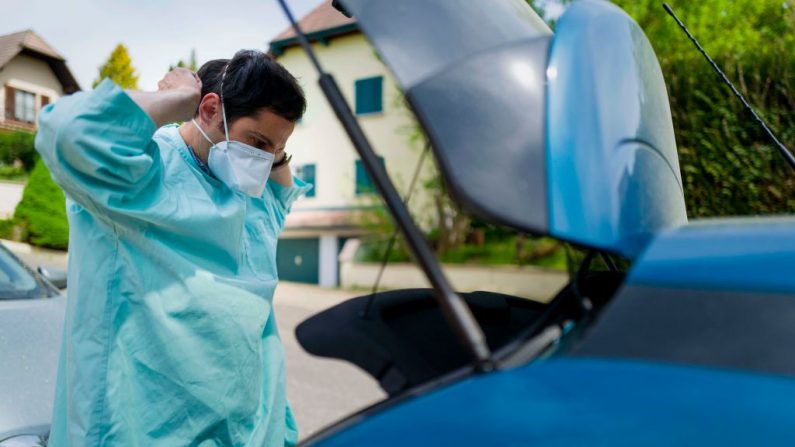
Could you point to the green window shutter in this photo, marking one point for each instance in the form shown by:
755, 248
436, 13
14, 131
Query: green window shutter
364, 184
307, 174
370, 95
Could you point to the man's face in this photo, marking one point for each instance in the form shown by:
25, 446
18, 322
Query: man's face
266, 131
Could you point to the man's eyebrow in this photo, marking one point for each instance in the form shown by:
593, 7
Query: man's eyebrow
260, 137
264, 139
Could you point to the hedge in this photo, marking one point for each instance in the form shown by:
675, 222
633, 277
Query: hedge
40, 217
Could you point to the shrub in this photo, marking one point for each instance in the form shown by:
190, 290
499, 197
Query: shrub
42, 212
12, 173
728, 164
18, 146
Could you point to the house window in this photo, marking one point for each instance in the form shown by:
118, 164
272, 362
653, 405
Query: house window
364, 184
370, 95
307, 174
24, 106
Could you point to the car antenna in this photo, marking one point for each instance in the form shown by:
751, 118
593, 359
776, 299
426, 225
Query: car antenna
453, 307
781, 148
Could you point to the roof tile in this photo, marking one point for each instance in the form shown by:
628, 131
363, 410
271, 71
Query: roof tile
321, 18
12, 44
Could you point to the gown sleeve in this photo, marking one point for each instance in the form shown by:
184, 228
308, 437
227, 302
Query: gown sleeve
284, 196
98, 147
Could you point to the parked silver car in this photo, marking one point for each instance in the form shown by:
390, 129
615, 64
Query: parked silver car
31, 318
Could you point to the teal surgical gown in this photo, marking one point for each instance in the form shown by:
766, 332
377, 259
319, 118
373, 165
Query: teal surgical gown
170, 337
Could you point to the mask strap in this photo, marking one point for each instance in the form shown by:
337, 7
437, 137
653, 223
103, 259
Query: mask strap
226, 129
223, 109
202, 132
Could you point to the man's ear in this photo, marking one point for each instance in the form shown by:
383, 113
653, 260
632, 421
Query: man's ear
210, 108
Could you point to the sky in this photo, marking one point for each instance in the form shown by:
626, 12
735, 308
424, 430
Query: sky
157, 33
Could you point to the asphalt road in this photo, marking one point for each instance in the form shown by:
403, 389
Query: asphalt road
321, 391
10, 195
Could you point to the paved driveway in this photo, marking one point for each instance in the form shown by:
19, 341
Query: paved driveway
10, 196
321, 391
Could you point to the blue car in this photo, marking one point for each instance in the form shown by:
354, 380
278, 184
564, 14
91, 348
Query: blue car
566, 134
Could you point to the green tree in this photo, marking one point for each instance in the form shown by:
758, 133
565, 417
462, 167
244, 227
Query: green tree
119, 69
190, 65
728, 164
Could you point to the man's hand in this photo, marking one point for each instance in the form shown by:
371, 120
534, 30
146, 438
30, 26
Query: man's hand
180, 78
281, 175
185, 82
177, 97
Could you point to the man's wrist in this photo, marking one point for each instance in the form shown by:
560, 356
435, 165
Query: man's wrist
166, 106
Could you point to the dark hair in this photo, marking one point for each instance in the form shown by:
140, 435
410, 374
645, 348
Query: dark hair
253, 81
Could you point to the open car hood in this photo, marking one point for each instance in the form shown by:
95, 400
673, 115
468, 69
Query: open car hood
568, 135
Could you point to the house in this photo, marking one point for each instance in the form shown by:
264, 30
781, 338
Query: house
32, 75
332, 212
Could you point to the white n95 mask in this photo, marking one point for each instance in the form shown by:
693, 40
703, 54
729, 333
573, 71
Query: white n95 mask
240, 166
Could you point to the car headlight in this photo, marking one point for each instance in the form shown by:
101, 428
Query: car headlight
24, 441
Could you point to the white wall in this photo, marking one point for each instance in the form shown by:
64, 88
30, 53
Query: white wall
320, 139
328, 265
30, 74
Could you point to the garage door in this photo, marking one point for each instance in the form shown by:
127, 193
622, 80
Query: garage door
297, 260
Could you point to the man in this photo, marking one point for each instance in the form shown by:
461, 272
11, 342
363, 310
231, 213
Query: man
170, 337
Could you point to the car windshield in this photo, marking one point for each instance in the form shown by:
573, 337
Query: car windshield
16, 281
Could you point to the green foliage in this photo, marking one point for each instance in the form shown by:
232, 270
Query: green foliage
515, 250
543, 7
12, 173
728, 164
17, 145
379, 229
512, 250
374, 247
119, 69
7, 229
190, 65
40, 217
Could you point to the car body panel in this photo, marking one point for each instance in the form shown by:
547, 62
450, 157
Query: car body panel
738, 254
613, 170
409, 38
30, 335
30, 342
668, 361
567, 402
492, 153
476, 86
568, 135
717, 293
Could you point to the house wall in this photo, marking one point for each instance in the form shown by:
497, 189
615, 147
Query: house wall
30, 74
321, 140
